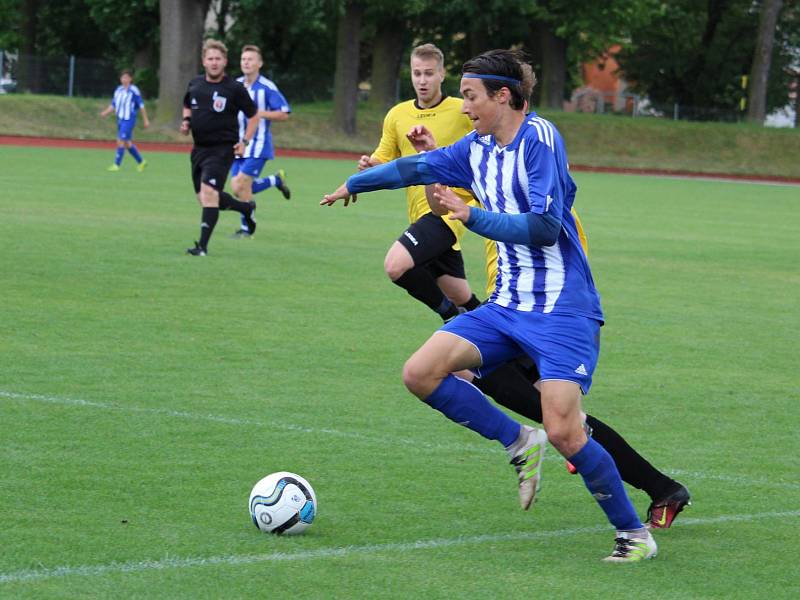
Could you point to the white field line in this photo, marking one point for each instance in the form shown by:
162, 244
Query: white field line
410, 443
741, 481
179, 414
342, 551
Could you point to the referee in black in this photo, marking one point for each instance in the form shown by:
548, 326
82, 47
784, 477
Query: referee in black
210, 108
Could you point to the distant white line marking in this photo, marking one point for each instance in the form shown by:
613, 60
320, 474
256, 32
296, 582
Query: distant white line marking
411, 443
234, 560
734, 479
249, 422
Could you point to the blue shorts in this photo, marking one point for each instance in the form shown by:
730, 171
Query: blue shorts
248, 166
125, 129
564, 347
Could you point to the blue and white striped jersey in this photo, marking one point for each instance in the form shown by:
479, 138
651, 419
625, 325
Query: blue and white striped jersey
266, 96
528, 175
127, 102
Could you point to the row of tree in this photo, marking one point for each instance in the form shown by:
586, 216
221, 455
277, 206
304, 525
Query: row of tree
677, 51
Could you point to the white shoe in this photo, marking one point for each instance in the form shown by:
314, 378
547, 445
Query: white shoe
633, 547
528, 464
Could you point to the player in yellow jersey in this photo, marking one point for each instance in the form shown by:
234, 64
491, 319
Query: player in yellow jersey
426, 259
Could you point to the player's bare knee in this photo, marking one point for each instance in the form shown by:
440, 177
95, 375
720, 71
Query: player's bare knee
418, 378
394, 269
238, 187
564, 438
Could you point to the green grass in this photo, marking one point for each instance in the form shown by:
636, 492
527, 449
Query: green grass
143, 392
593, 140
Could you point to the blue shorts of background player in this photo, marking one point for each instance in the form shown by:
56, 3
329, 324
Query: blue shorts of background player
249, 166
564, 347
125, 129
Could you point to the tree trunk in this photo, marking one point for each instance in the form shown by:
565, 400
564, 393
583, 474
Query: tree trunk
222, 17
762, 58
182, 23
552, 79
345, 79
387, 52
28, 66
797, 101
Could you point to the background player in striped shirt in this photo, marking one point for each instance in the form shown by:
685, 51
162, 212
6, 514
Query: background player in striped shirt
127, 100
545, 304
272, 106
426, 259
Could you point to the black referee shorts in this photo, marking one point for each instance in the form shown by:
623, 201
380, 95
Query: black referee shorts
429, 241
211, 165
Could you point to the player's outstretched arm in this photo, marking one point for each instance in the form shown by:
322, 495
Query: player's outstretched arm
530, 229
341, 193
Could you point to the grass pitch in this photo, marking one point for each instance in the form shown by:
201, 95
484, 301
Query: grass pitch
143, 392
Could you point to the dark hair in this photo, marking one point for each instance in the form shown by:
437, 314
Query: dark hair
127, 72
505, 63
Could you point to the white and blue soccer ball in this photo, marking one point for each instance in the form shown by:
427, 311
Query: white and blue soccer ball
283, 503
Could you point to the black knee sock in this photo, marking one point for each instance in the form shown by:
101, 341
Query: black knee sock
210, 216
632, 466
420, 284
228, 202
511, 388
472, 303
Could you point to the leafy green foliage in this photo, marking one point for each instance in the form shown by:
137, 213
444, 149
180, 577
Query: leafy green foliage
695, 54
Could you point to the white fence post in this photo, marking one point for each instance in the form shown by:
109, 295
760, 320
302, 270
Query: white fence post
71, 74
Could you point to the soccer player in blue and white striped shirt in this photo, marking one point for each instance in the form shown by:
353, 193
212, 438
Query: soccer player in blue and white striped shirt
125, 103
272, 106
545, 304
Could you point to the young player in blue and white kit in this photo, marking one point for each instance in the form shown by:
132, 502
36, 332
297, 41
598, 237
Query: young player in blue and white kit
545, 304
272, 106
126, 102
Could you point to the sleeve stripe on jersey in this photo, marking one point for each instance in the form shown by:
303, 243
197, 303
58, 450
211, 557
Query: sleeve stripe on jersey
545, 131
475, 159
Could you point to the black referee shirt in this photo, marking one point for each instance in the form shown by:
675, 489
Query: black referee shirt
215, 107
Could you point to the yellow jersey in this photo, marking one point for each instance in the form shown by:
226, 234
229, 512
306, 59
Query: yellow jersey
491, 255
447, 124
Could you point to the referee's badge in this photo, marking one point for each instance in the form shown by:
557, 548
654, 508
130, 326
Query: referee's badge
219, 102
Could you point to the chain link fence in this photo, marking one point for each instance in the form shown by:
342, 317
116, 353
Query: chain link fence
588, 100
61, 75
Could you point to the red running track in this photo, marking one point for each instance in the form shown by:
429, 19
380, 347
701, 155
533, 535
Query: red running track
12, 140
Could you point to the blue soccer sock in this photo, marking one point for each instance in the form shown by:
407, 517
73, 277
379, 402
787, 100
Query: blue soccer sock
602, 478
119, 155
263, 183
135, 153
462, 402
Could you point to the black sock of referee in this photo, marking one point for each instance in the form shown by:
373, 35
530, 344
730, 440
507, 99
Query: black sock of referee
472, 303
420, 284
632, 466
228, 202
210, 216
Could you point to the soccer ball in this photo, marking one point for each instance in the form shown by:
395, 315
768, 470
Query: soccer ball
282, 503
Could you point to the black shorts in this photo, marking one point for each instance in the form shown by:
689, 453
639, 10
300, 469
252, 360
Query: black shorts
430, 242
211, 165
